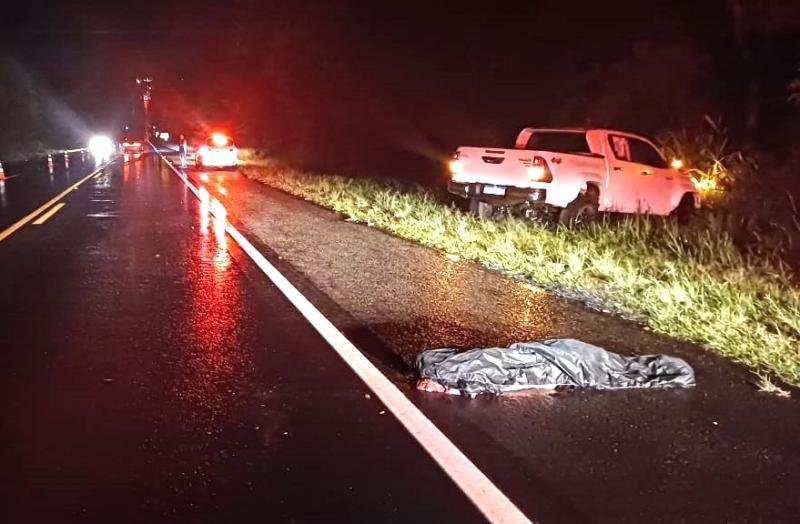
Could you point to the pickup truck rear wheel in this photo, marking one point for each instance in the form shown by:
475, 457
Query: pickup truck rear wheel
481, 209
579, 212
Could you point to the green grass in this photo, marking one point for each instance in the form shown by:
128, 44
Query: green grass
691, 283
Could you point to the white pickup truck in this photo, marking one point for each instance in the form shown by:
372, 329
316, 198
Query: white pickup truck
571, 174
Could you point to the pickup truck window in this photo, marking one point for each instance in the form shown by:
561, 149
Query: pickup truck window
559, 142
644, 153
620, 147
632, 149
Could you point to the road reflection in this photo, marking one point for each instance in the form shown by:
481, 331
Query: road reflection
213, 356
449, 295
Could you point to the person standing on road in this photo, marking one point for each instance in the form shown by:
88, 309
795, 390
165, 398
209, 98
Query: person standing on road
183, 150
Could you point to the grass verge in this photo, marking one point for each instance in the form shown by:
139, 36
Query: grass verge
691, 283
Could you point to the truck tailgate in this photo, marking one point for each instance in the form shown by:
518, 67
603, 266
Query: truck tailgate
497, 166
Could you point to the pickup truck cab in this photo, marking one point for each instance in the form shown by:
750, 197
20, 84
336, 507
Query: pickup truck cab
570, 175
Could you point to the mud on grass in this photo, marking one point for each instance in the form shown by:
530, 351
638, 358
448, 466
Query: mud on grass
691, 283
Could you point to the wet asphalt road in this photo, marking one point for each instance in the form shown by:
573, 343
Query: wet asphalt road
149, 372
29, 184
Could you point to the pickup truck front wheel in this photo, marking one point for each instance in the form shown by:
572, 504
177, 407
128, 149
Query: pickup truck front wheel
686, 210
581, 211
480, 209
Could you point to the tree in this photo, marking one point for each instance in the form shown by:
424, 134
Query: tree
758, 26
661, 85
794, 90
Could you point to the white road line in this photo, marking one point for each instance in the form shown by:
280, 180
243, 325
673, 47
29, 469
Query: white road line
487, 497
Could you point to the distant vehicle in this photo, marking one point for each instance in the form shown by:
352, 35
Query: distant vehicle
217, 151
131, 146
569, 175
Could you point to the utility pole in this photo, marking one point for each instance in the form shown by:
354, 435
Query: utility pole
145, 86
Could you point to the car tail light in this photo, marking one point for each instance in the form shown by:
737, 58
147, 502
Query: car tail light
539, 171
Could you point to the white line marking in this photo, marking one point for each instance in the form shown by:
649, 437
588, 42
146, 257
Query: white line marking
487, 497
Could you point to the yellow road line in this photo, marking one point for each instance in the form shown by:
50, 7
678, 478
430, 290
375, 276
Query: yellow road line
53, 210
19, 223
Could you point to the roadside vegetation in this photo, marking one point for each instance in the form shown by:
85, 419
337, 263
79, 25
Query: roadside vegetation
690, 282
754, 198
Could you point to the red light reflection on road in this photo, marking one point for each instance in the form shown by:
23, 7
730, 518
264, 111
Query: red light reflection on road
213, 356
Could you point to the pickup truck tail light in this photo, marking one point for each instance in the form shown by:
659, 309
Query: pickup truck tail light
456, 165
539, 171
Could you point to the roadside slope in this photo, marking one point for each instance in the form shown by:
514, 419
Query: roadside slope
688, 282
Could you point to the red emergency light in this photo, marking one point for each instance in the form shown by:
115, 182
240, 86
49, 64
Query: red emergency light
219, 140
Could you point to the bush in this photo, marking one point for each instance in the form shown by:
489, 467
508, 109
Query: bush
753, 199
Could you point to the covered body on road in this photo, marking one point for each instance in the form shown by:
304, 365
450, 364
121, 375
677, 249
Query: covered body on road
547, 365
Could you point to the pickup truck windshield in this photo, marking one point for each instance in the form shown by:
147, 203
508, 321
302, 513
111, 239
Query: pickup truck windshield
559, 142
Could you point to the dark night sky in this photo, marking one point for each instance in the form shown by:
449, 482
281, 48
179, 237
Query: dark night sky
424, 75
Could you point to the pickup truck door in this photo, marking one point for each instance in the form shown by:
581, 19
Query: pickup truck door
656, 184
639, 180
623, 176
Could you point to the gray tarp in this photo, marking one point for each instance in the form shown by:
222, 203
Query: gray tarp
549, 364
